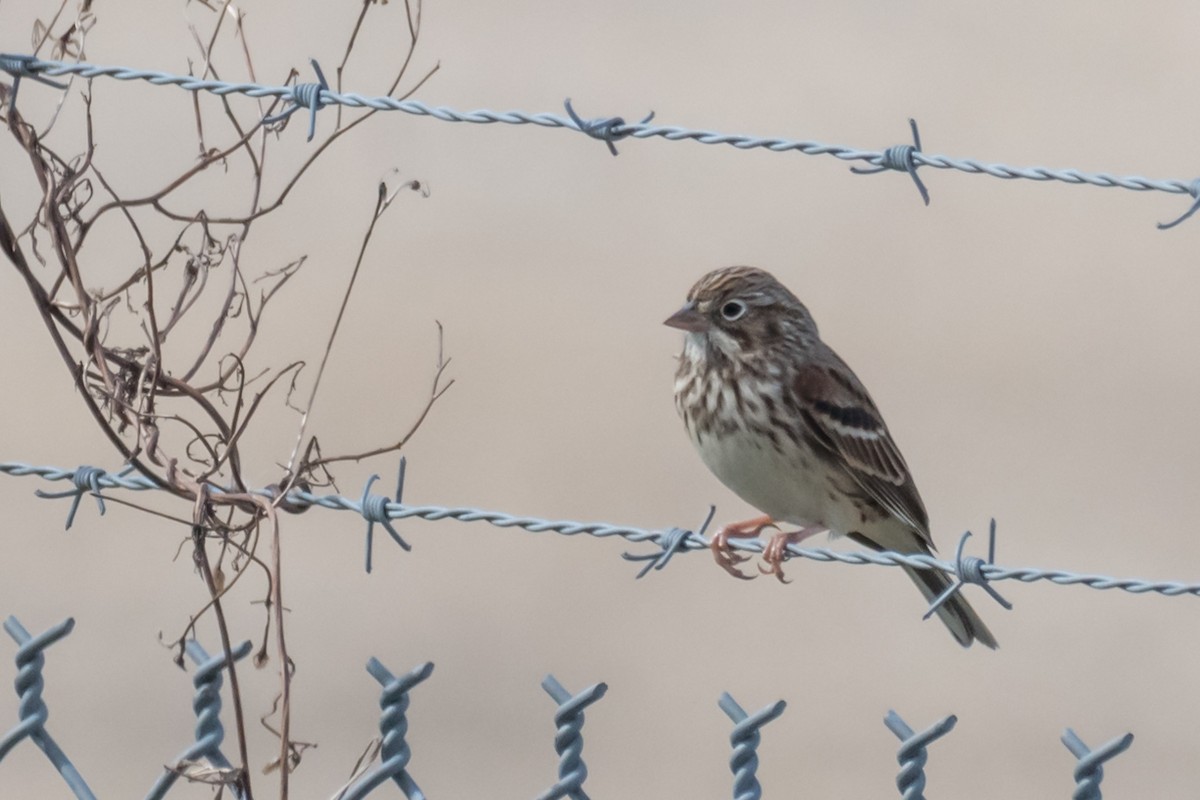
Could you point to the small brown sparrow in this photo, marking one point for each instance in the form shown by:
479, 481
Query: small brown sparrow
782, 421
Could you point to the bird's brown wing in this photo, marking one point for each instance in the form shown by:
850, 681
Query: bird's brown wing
847, 426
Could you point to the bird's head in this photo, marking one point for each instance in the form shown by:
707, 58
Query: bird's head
736, 310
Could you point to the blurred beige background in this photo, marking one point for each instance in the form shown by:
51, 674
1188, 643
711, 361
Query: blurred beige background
1033, 347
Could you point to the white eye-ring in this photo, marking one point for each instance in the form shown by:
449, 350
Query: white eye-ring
733, 310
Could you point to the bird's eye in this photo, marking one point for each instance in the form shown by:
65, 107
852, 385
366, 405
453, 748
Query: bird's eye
733, 310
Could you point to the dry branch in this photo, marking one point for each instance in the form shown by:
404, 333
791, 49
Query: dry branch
178, 406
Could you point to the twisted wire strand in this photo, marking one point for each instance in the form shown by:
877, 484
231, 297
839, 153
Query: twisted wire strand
1089, 770
314, 96
31, 708
912, 755
568, 738
671, 540
393, 726
209, 732
745, 739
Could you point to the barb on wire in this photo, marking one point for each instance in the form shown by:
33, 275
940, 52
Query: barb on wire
106, 480
375, 509
673, 539
1194, 191
901, 157
1089, 770
304, 95
31, 709
568, 739
745, 740
209, 731
607, 129
18, 67
86, 479
690, 543
912, 755
393, 724
970, 570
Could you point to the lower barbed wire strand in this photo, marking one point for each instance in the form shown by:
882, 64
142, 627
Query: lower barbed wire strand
692, 542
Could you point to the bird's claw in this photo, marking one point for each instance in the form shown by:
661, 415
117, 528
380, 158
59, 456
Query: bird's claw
728, 560
774, 555
774, 568
776, 551
725, 557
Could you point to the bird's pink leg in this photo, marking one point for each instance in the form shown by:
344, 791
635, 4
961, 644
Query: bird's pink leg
726, 558
776, 549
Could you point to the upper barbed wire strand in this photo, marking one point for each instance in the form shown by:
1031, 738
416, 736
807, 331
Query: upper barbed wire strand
29, 66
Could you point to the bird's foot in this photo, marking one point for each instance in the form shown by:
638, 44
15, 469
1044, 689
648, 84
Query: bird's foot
775, 553
725, 557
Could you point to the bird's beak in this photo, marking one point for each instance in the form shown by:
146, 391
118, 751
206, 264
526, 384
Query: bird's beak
688, 319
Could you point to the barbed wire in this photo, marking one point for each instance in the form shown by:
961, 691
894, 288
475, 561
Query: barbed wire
380, 509
314, 96
203, 761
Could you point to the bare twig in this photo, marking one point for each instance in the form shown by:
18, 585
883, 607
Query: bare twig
383, 201
435, 394
202, 562
181, 413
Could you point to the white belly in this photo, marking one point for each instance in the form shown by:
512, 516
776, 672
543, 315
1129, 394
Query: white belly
790, 487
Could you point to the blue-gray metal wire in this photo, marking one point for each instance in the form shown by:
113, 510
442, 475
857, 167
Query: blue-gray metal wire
87, 481
669, 542
210, 733
1089, 770
314, 96
393, 725
32, 709
395, 753
745, 739
568, 738
374, 509
911, 755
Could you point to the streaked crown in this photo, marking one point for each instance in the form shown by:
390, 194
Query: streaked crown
749, 307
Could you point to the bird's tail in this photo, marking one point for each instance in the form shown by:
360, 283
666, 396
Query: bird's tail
957, 614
